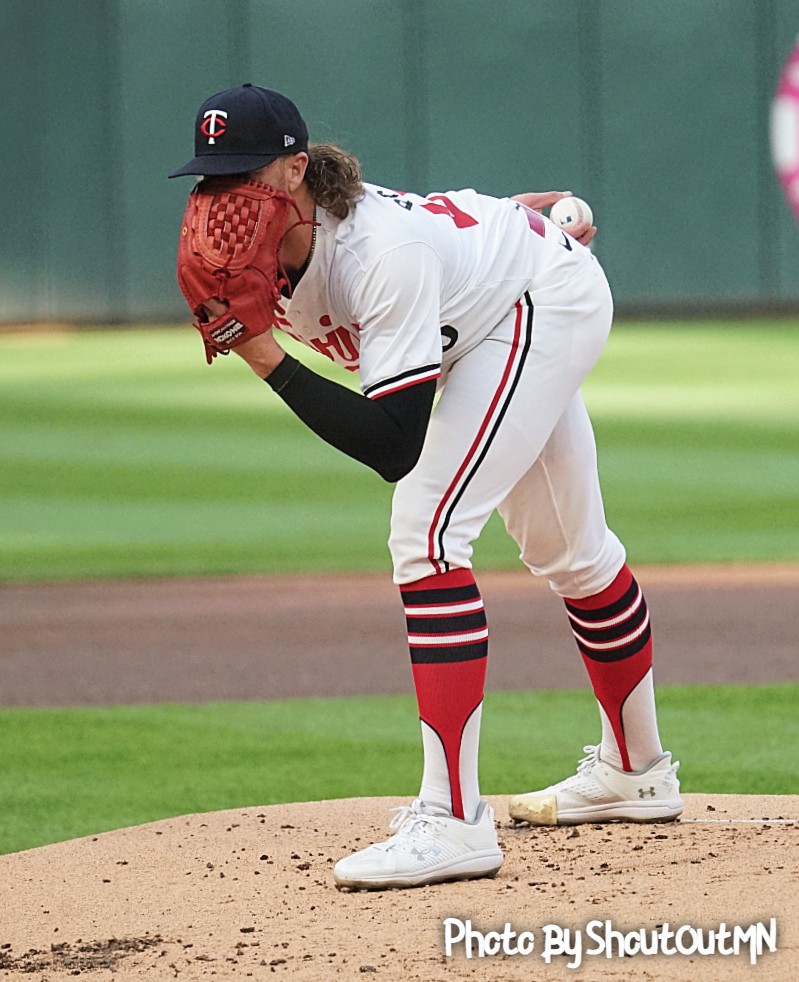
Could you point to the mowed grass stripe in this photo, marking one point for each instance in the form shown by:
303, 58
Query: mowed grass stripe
122, 453
73, 772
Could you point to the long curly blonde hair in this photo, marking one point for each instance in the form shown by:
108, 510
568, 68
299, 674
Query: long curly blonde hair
334, 178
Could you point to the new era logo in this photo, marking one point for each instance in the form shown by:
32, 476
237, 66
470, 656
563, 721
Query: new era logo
288, 141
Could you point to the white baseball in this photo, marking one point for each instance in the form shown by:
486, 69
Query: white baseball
572, 215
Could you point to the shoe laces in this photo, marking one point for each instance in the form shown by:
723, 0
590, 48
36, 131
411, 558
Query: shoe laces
586, 764
409, 823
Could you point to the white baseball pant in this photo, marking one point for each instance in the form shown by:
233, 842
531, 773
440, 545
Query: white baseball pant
510, 431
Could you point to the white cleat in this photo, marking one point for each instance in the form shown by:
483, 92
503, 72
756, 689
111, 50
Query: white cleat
429, 846
599, 792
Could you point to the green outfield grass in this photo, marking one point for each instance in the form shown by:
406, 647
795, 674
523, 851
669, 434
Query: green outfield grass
122, 453
77, 772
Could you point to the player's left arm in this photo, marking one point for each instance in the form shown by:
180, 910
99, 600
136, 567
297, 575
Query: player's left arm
538, 200
396, 304
386, 434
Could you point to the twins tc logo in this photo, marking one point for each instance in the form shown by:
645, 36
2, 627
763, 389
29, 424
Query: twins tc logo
214, 124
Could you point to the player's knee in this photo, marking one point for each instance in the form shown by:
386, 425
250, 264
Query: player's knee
580, 568
419, 544
589, 576
408, 556
414, 555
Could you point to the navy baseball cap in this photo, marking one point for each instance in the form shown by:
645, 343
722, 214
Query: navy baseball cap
242, 129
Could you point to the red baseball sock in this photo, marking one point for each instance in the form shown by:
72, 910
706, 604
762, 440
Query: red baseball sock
448, 640
614, 637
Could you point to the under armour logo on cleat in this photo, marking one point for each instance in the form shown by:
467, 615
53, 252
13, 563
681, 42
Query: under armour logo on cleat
431, 852
646, 792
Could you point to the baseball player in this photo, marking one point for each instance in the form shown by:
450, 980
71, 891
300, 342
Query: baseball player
487, 303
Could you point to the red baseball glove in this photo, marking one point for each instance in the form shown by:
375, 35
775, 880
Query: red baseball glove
228, 250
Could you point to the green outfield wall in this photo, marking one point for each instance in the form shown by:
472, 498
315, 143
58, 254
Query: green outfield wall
656, 111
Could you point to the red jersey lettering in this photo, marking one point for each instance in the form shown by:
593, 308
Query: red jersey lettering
337, 345
440, 204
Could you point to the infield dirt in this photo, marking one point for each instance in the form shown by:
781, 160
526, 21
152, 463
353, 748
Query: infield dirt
249, 894
268, 637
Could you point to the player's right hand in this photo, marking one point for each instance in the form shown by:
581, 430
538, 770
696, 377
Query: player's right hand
538, 200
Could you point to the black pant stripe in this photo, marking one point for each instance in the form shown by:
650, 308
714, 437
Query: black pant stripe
528, 340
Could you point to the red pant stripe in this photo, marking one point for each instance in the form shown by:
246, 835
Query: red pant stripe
516, 359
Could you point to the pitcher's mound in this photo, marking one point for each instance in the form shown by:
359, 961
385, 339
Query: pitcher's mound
249, 893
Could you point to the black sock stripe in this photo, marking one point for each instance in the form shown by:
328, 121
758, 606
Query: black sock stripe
617, 654
605, 613
446, 625
449, 654
598, 635
442, 595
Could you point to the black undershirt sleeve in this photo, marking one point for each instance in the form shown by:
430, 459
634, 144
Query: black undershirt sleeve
386, 434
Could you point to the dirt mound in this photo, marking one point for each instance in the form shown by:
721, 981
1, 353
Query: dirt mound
249, 894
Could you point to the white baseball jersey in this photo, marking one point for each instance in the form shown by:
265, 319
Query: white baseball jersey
406, 285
